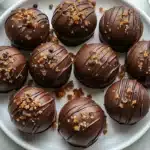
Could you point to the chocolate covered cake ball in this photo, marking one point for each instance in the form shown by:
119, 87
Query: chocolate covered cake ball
120, 27
127, 101
96, 65
50, 65
74, 21
81, 121
32, 110
13, 69
138, 62
27, 28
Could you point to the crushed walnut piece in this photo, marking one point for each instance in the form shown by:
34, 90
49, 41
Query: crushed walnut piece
55, 125
60, 93
89, 96
146, 53
121, 105
117, 97
133, 103
76, 128
101, 10
52, 37
105, 129
77, 93
122, 71
69, 97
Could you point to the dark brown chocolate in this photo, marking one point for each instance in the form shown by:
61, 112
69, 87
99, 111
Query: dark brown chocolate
127, 101
50, 65
81, 121
13, 69
27, 28
32, 110
74, 21
138, 62
96, 65
120, 27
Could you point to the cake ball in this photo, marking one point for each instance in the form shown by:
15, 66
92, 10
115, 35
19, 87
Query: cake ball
138, 62
13, 69
74, 21
96, 65
81, 121
32, 110
27, 28
50, 65
127, 101
120, 27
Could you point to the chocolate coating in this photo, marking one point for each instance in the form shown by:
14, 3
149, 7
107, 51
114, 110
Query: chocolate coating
13, 69
120, 27
127, 101
50, 65
81, 121
96, 65
74, 21
32, 110
27, 28
138, 62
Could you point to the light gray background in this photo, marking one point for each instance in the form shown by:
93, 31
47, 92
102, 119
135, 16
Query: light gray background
142, 144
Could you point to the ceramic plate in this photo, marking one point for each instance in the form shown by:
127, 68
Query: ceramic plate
118, 136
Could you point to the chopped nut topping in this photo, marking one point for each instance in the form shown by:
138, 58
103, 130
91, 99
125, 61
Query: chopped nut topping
28, 37
117, 97
42, 26
40, 112
140, 65
55, 125
129, 90
78, 92
69, 97
17, 119
133, 103
105, 129
86, 22
77, 128
101, 10
57, 69
146, 53
89, 96
122, 71
121, 105
75, 120
91, 115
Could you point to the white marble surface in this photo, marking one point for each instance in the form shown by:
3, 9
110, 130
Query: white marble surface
142, 144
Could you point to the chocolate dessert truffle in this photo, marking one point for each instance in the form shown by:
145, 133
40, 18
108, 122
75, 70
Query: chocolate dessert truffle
127, 101
120, 27
81, 121
74, 21
27, 28
32, 110
13, 69
50, 65
96, 65
138, 62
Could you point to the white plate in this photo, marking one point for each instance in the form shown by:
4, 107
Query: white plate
118, 136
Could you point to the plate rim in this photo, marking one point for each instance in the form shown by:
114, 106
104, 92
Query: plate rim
28, 146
